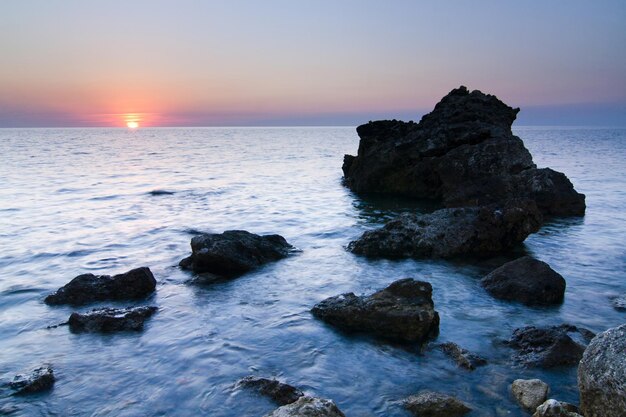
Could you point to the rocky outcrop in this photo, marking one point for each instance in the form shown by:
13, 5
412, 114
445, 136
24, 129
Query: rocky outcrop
463, 153
434, 404
530, 393
462, 357
87, 288
37, 380
404, 311
308, 407
554, 408
105, 320
602, 375
279, 392
234, 252
452, 232
526, 280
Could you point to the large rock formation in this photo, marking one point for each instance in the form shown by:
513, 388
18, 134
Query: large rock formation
452, 232
279, 392
602, 375
463, 153
105, 320
435, 404
308, 407
37, 380
403, 311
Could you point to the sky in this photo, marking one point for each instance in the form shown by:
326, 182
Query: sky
307, 62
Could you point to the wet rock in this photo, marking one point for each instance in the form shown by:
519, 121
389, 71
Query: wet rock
404, 311
434, 404
234, 252
462, 357
526, 280
447, 233
279, 392
619, 303
37, 380
135, 284
160, 192
554, 408
463, 153
530, 393
106, 320
308, 407
602, 375
548, 347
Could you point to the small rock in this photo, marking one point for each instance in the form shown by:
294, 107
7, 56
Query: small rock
308, 407
279, 392
106, 320
619, 303
530, 393
462, 357
434, 404
160, 192
39, 379
554, 408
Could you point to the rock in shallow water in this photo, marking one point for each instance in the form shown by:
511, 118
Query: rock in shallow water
462, 357
434, 404
554, 408
308, 407
530, 393
39, 379
106, 320
404, 311
135, 284
279, 392
619, 303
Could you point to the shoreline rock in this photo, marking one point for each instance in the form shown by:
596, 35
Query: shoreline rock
554, 408
106, 320
530, 393
308, 407
435, 404
279, 392
462, 357
38, 380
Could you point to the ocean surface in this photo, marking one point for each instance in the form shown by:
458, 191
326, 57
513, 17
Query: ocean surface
74, 201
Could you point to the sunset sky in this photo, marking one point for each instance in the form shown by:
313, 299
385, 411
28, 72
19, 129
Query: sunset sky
339, 62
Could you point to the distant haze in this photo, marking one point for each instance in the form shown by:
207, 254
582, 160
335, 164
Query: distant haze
286, 62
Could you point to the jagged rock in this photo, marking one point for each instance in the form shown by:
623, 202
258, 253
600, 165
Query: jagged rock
403, 311
462, 357
279, 392
602, 375
554, 408
527, 280
308, 407
106, 320
530, 393
37, 380
135, 284
548, 347
434, 404
234, 252
619, 303
452, 232
463, 153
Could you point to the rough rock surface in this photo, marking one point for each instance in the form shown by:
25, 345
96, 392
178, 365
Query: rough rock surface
452, 232
279, 392
308, 407
234, 252
463, 153
106, 320
135, 284
403, 311
602, 375
548, 347
530, 393
462, 357
554, 408
527, 280
619, 303
434, 404
39, 379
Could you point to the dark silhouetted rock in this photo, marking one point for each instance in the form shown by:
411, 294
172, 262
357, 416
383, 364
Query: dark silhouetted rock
602, 375
463, 153
106, 320
434, 404
157, 193
234, 252
527, 280
462, 357
39, 379
554, 408
308, 407
452, 232
548, 347
279, 392
403, 311
135, 284
530, 393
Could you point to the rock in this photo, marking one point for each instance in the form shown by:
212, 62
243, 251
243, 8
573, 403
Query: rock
404, 311
619, 303
308, 407
234, 252
463, 153
279, 392
157, 193
434, 404
530, 393
37, 380
462, 357
135, 284
554, 408
106, 320
548, 347
452, 232
526, 280
602, 375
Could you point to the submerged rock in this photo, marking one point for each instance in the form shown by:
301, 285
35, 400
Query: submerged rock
526, 280
452, 232
308, 407
462, 357
434, 404
37, 380
530, 393
234, 252
554, 408
463, 153
602, 375
279, 392
404, 311
160, 192
135, 284
111, 319
619, 303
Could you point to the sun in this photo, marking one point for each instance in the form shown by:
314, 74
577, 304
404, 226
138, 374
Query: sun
132, 125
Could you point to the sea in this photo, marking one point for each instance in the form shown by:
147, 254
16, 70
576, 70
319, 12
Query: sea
76, 201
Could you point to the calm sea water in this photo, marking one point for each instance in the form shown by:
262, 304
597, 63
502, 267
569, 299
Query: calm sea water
77, 200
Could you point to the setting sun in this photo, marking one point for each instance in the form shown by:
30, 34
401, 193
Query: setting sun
132, 125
